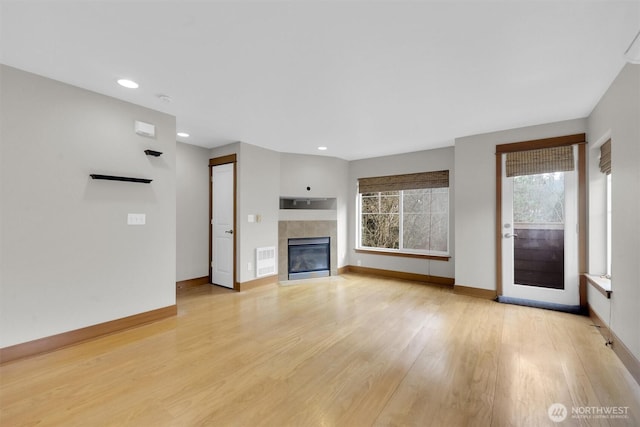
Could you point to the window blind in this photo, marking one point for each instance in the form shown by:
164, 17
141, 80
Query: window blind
544, 160
605, 157
411, 181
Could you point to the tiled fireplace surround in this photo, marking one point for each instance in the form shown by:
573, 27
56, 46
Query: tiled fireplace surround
296, 229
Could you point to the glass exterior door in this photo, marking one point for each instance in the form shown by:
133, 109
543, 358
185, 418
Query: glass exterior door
540, 237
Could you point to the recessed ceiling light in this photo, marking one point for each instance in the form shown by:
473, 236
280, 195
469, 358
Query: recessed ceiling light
130, 84
322, 148
183, 134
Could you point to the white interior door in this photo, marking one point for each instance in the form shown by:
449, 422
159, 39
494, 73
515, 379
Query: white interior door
222, 224
521, 284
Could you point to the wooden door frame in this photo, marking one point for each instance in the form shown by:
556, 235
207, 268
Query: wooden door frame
575, 139
217, 161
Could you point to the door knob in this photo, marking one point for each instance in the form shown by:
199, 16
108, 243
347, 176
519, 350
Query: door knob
229, 231
507, 235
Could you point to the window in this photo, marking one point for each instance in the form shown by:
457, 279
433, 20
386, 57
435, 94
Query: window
605, 168
407, 220
539, 199
380, 219
608, 273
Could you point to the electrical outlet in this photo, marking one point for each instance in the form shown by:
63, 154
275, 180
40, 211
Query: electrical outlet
249, 266
359, 263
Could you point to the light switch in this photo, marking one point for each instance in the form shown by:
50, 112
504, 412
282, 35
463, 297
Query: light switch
136, 219
251, 218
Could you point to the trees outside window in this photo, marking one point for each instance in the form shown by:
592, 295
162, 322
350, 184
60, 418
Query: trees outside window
539, 198
380, 219
415, 221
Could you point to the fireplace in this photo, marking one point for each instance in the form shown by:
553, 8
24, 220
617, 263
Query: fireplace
309, 257
299, 229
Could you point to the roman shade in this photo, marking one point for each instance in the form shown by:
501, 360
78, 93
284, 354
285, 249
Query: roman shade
411, 181
543, 160
605, 157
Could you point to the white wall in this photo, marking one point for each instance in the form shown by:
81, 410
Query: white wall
324, 175
192, 211
68, 259
258, 184
259, 173
618, 114
421, 161
327, 177
265, 175
475, 198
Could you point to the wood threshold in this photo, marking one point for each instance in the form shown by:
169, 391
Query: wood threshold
404, 255
262, 281
192, 283
617, 345
414, 277
65, 339
475, 292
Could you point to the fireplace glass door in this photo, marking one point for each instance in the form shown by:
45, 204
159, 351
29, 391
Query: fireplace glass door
309, 257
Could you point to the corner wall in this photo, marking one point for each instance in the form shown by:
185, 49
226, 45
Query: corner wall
326, 177
192, 211
258, 183
421, 161
259, 172
68, 259
475, 198
618, 114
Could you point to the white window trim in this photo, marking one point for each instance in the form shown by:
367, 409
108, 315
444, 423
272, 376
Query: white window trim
609, 221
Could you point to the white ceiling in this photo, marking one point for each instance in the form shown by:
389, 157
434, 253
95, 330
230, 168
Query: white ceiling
363, 78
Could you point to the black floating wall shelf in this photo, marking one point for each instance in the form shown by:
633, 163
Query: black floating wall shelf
120, 178
153, 153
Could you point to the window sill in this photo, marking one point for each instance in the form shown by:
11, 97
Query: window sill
404, 254
601, 284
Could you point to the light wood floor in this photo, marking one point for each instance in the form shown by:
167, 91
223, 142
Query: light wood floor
346, 351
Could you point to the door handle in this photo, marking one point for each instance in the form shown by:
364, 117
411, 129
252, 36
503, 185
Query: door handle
507, 235
229, 231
